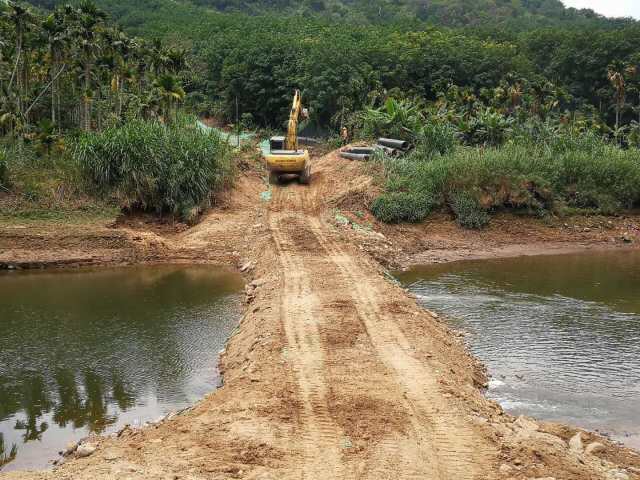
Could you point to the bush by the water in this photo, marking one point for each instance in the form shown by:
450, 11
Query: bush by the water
563, 171
149, 165
396, 207
468, 211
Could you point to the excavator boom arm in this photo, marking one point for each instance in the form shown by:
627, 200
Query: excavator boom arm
291, 142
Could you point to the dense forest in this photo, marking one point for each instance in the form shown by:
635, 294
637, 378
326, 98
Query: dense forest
76, 92
343, 54
489, 71
453, 13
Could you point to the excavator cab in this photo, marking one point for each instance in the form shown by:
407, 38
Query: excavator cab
284, 157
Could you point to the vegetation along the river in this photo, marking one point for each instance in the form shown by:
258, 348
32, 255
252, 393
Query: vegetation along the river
522, 105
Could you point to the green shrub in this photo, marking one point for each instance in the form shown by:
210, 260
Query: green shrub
530, 177
152, 166
400, 207
436, 137
400, 119
468, 211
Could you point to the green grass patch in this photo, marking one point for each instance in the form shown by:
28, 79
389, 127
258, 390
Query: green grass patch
156, 167
534, 178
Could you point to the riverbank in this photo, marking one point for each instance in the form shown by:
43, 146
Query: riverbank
335, 372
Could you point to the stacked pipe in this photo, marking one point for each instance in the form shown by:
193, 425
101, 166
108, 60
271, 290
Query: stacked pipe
395, 144
389, 146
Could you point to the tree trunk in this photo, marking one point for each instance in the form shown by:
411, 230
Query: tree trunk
86, 99
19, 84
54, 86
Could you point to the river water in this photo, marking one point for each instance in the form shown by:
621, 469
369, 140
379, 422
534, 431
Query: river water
560, 335
90, 351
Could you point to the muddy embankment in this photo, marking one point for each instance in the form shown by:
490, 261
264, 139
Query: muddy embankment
334, 372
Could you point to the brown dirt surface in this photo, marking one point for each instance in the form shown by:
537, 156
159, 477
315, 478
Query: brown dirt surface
335, 372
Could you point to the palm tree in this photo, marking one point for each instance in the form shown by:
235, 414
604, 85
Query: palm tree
158, 56
90, 20
170, 92
21, 18
176, 59
123, 50
57, 34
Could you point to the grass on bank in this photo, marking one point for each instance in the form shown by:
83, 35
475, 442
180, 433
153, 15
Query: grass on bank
170, 169
557, 174
44, 187
148, 165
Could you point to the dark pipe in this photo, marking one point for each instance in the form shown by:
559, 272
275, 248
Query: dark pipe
361, 150
393, 143
387, 150
354, 156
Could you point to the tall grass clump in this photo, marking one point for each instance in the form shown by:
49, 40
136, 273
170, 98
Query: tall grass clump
152, 166
553, 174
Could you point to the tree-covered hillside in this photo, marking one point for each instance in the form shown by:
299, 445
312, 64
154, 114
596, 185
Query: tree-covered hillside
513, 14
343, 53
480, 85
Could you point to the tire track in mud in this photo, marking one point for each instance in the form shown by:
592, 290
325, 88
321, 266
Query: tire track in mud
445, 446
301, 316
448, 446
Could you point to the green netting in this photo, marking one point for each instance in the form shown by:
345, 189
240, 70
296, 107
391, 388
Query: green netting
230, 138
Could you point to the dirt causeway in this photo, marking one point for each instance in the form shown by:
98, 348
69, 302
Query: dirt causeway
334, 372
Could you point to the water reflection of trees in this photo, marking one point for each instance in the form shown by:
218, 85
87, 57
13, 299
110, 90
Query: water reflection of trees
79, 400
9, 455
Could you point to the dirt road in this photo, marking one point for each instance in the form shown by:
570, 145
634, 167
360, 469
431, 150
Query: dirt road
336, 373
326, 288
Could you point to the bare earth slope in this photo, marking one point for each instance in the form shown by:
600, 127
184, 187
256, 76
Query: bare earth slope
335, 372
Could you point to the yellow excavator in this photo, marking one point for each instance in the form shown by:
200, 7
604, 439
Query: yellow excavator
284, 157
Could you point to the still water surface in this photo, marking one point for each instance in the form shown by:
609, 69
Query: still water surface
87, 352
560, 335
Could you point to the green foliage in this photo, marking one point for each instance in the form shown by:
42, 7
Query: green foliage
533, 176
468, 211
436, 137
400, 119
517, 14
488, 128
146, 164
398, 207
70, 69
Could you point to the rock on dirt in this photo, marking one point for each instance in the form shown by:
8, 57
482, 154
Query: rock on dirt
526, 423
70, 449
618, 475
595, 447
575, 444
247, 267
85, 450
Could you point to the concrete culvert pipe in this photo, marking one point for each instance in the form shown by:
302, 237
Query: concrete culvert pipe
393, 143
361, 150
387, 150
354, 156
